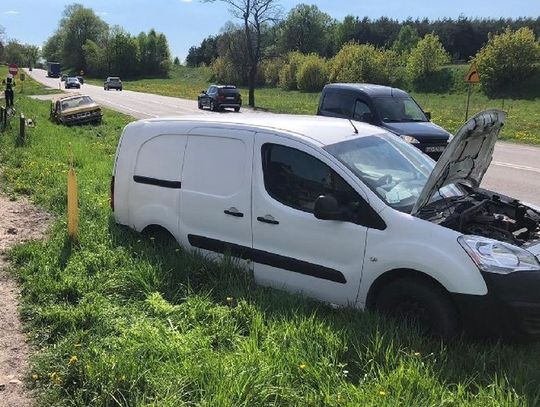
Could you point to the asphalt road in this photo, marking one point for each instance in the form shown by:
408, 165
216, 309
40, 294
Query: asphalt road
515, 170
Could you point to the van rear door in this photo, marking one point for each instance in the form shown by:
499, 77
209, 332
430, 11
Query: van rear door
215, 202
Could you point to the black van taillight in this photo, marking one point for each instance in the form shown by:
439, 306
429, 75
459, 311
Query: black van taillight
111, 194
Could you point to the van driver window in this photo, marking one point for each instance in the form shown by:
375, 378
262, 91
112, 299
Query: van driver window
297, 179
362, 112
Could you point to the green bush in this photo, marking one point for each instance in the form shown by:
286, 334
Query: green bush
425, 60
365, 63
507, 60
287, 74
312, 74
270, 69
224, 71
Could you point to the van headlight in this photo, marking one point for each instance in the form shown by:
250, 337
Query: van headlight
410, 139
493, 256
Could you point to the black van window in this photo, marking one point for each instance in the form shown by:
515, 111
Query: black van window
338, 103
297, 179
362, 112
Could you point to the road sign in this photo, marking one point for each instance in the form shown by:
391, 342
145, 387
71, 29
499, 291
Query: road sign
23, 77
472, 76
13, 69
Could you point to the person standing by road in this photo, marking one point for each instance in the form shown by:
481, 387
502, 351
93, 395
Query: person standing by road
10, 82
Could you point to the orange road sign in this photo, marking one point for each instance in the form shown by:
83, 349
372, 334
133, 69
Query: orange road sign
472, 76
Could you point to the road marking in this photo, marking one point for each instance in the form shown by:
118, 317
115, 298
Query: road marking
516, 166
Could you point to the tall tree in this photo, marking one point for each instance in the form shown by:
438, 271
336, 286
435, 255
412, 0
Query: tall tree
255, 15
306, 29
2, 42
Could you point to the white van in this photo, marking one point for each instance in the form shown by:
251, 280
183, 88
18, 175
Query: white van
343, 212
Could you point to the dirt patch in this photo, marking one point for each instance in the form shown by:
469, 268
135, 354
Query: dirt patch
19, 222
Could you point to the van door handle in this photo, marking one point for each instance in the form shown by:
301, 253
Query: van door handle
268, 219
233, 212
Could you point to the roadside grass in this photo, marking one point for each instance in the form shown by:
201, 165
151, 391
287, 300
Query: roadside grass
123, 319
26, 87
448, 109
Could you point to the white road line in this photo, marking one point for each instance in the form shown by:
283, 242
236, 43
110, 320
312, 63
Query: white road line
516, 166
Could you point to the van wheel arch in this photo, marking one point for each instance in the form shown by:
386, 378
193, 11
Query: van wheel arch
159, 232
396, 274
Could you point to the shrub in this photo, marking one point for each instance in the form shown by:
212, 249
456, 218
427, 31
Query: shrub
427, 58
287, 74
365, 63
507, 59
312, 75
270, 69
224, 71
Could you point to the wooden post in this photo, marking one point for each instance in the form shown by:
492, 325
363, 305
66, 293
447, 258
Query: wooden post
468, 101
3, 118
22, 129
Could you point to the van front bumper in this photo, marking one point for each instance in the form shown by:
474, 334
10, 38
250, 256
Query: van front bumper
510, 309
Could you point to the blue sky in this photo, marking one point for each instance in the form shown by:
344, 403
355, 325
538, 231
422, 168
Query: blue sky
187, 22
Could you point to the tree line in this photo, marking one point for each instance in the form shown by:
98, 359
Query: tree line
308, 48
83, 41
309, 30
14, 52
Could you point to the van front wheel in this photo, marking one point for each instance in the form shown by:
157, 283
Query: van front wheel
422, 303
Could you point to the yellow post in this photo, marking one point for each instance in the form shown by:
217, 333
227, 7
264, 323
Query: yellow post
72, 200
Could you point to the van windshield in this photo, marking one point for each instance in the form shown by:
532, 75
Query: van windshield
398, 110
393, 169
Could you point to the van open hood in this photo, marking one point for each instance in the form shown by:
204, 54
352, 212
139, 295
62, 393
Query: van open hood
467, 157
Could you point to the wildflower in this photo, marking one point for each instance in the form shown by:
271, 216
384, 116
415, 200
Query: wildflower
35, 377
302, 366
229, 299
382, 393
416, 353
345, 372
72, 360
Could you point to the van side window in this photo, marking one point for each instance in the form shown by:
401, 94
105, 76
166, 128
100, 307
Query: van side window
338, 103
297, 179
362, 112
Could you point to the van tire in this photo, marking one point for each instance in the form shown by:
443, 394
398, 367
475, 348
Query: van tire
212, 106
422, 302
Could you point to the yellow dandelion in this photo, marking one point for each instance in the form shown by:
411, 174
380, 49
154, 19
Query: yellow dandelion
72, 360
35, 377
302, 366
382, 393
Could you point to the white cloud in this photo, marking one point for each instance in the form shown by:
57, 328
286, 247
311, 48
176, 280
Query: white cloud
11, 12
187, 1
102, 13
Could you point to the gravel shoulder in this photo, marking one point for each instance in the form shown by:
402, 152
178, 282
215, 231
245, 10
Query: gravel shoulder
19, 222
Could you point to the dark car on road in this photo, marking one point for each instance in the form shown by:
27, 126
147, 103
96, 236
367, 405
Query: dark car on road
72, 83
218, 97
112, 82
390, 108
81, 79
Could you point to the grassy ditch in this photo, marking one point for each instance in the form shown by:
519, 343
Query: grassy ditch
448, 110
122, 319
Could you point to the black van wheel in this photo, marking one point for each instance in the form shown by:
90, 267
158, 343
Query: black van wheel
422, 303
236, 109
212, 106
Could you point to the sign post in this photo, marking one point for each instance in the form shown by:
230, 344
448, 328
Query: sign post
471, 78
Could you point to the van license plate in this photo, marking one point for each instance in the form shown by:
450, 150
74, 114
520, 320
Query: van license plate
435, 149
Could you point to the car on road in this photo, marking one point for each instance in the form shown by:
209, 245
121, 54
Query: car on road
112, 82
390, 108
80, 79
63, 77
72, 83
344, 212
218, 97
75, 109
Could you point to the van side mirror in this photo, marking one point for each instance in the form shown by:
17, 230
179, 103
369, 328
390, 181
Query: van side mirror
428, 115
327, 208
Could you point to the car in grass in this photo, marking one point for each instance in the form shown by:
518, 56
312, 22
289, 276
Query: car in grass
112, 82
344, 212
390, 108
72, 83
218, 97
75, 109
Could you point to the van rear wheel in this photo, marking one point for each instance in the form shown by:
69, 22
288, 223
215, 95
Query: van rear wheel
422, 303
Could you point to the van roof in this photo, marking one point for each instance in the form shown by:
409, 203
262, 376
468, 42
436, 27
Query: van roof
314, 129
369, 89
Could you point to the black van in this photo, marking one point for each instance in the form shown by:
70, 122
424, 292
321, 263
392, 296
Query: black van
390, 108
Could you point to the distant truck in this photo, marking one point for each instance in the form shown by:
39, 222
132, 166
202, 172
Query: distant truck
53, 69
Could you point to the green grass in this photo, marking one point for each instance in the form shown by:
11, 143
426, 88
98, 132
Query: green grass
448, 110
122, 319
